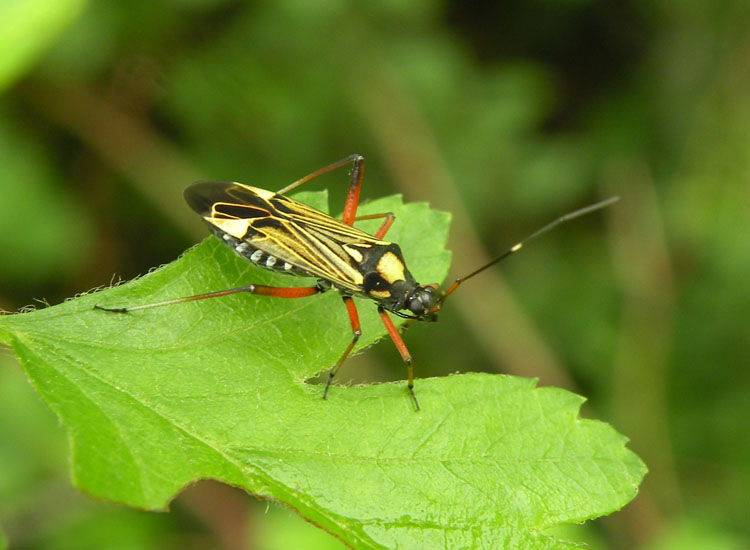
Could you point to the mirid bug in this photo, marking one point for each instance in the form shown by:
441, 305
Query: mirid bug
280, 234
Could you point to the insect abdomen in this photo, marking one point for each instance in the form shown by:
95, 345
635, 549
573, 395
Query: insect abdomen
255, 255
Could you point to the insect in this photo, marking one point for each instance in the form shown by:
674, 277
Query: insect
278, 233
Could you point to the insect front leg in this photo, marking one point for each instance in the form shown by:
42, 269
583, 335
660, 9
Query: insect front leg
351, 309
401, 347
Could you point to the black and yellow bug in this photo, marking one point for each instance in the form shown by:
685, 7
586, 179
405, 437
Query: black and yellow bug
278, 233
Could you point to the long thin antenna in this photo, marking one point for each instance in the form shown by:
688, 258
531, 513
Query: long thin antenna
516, 247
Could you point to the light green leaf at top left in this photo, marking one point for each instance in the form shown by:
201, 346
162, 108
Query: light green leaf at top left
27, 29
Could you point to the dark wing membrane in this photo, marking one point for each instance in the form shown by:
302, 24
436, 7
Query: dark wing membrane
220, 199
292, 232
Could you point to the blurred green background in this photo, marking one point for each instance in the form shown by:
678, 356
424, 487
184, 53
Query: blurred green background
507, 114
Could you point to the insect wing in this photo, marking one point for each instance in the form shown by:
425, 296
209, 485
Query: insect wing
288, 230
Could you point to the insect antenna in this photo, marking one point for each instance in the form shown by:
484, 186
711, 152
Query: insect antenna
516, 247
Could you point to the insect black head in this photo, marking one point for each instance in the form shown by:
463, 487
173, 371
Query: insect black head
424, 302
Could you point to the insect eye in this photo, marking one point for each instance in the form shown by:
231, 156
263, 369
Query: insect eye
416, 307
423, 300
428, 297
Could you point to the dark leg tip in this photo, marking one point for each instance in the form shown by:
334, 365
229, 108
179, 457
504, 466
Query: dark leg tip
328, 385
111, 309
414, 398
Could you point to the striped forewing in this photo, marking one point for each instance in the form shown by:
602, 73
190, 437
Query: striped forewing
296, 233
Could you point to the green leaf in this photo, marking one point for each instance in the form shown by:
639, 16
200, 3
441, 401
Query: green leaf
156, 399
28, 28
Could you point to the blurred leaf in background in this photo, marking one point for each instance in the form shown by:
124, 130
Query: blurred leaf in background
51, 231
505, 114
29, 29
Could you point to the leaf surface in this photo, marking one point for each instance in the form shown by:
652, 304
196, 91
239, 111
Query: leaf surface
155, 399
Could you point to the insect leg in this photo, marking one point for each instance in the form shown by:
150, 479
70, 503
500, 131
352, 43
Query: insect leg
351, 309
355, 183
261, 290
387, 223
352, 196
357, 159
401, 347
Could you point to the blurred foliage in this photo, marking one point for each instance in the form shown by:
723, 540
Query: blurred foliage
506, 114
29, 28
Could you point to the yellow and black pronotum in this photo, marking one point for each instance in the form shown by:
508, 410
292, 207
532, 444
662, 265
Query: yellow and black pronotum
278, 233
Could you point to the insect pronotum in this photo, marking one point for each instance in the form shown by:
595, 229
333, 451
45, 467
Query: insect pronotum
278, 233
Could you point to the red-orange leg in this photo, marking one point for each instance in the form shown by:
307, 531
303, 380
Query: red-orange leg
351, 309
357, 159
352, 195
401, 347
261, 290
387, 223
286, 292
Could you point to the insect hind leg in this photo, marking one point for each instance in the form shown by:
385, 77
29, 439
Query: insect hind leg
260, 290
